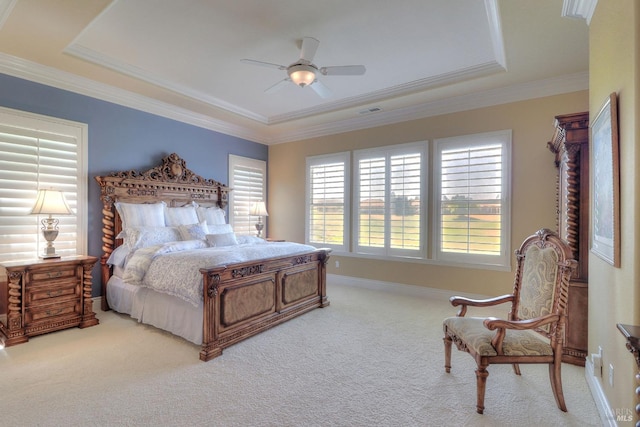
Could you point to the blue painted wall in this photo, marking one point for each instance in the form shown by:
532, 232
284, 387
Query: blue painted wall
122, 138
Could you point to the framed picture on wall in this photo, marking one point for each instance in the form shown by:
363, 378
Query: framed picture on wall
605, 207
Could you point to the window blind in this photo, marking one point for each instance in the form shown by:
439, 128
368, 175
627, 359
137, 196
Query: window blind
327, 201
471, 199
473, 181
390, 186
248, 181
39, 153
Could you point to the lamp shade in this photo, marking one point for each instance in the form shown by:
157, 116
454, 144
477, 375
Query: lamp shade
51, 202
258, 209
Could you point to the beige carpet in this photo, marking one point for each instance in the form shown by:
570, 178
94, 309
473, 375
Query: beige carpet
372, 358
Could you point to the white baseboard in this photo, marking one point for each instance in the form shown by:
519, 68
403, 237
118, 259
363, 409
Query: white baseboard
410, 290
602, 404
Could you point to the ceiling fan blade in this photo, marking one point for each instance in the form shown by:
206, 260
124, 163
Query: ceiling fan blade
308, 50
343, 70
263, 64
276, 87
321, 89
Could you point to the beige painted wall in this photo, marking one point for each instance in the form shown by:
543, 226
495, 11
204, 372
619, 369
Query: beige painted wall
613, 292
533, 191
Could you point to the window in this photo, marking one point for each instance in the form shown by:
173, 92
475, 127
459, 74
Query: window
472, 202
248, 179
328, 201
391, 200
390, 189
40, 152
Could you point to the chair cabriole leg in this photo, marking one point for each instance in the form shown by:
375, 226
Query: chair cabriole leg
447, 353
481, 376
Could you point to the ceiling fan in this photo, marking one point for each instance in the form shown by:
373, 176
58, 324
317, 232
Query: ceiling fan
304, 72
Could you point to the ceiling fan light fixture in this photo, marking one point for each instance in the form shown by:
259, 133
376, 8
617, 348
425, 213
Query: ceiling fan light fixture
302, 75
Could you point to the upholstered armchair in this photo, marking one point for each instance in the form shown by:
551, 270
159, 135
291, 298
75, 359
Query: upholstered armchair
534, 331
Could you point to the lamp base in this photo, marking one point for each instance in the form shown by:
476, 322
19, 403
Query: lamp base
48, 256
259, 227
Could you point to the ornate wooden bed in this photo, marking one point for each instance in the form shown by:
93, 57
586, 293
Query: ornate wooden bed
239, 300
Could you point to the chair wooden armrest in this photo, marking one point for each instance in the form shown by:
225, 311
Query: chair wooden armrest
469, 302
502, 325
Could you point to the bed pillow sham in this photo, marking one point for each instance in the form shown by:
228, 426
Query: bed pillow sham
142, 237
222, 239
141, 214
219, 228
213, 215
193, 231
183, 215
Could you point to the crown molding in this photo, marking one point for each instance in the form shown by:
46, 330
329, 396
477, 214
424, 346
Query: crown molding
477, 71
579, 9
514, 93
480, 70
94, 57
31, 71
28, 70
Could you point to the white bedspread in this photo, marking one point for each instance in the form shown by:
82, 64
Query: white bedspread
174, 268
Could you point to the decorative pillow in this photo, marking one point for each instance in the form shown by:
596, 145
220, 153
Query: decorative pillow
194, 231
253, 240
119, 255
142, 237
212, 215
224, 239
219, 228
183, 215
141, 214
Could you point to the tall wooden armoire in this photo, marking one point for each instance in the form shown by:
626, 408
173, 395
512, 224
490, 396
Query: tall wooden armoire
570, 144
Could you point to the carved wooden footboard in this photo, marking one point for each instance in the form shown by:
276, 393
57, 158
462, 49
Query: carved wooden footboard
242, 300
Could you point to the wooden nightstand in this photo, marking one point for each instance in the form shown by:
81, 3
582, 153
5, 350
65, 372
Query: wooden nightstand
45, 295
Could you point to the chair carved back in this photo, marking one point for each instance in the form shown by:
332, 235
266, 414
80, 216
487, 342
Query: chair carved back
541, 284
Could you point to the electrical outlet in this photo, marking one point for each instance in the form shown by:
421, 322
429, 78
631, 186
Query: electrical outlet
611, 375
337, 264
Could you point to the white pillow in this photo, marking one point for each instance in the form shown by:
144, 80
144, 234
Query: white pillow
194, 231
142, 237
183, 215
212, 215
141, 214
224, 239
119, 255
253, 240
219, 228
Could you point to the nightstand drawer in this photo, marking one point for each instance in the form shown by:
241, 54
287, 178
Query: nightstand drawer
48, 275
42, 312
38, 295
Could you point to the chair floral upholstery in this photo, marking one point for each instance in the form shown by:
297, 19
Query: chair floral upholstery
534, 332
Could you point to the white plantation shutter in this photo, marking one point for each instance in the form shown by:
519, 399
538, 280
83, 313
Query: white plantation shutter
372, 202
248, 179
390, 192
473, 209
406, 186
40, 152
328, 201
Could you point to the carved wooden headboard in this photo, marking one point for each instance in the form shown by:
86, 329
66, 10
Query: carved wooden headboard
171, 182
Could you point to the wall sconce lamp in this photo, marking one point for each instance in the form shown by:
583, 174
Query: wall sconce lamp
50, 202
259, 209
